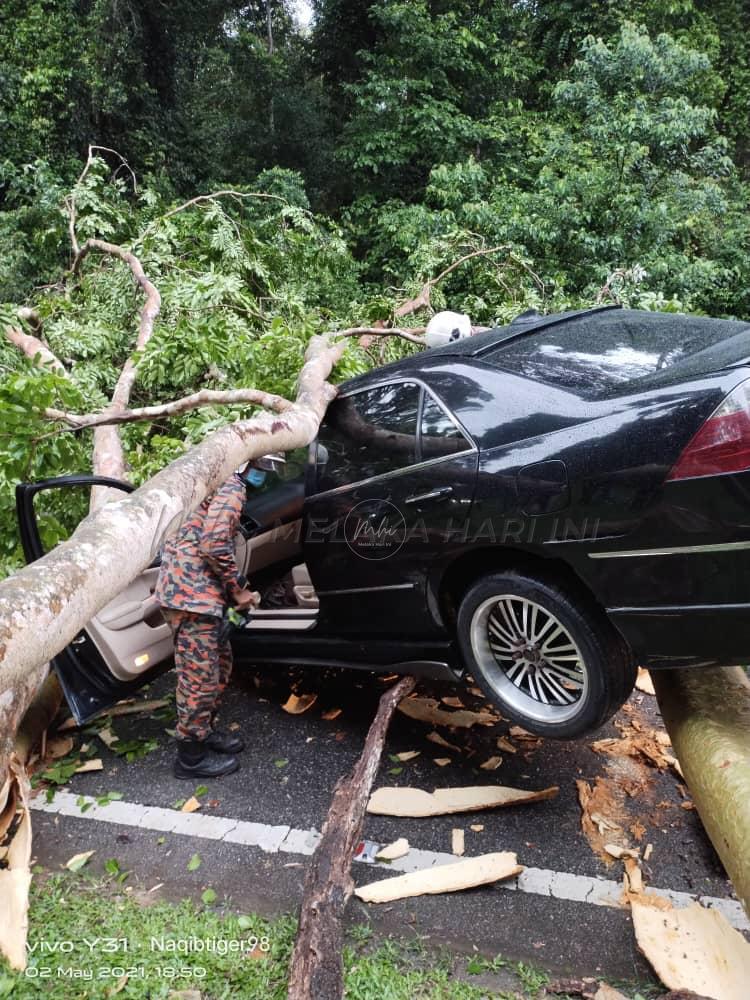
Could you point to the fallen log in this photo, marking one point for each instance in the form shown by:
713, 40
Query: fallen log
317, 967
707, 715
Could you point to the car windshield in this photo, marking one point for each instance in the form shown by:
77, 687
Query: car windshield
603, 354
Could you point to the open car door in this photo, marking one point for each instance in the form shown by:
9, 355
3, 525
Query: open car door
128, 643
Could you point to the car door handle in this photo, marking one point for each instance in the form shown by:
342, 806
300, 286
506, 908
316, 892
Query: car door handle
439, 494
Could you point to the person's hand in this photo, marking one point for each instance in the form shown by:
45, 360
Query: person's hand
244, 600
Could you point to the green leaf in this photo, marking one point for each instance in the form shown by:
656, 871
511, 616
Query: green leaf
112, 866
194, 863
244, 923
208, 897
200, 790
281, 763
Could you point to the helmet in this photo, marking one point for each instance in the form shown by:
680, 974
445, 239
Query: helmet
269, 463
447, 326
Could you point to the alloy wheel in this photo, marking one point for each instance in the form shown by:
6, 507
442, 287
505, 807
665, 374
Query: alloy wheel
529, 657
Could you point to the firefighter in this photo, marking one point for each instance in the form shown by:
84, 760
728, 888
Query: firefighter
198, 581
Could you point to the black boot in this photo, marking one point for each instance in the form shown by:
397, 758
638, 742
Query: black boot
195, 759
223, 742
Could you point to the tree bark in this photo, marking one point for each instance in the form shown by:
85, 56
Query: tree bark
317, 965
45, 605
707, 715
204, 397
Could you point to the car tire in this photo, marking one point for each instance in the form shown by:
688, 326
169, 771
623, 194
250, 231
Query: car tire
551, 663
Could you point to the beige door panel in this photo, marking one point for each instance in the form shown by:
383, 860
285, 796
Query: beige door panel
282, 542
130, 632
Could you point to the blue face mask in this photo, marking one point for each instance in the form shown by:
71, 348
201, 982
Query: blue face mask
255, 477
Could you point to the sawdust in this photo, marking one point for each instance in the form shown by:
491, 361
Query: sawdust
604, 817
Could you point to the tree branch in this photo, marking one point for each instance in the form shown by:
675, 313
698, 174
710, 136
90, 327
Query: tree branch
108, 454
35, 349
220, 194
205, 397
387, 331
70, 201
422, 300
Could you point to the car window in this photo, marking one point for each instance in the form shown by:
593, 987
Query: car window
602, 354
368, 434
439, 435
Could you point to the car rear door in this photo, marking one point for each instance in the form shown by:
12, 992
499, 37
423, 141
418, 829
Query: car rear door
127, 643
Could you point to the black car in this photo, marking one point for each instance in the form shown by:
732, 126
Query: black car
541, 507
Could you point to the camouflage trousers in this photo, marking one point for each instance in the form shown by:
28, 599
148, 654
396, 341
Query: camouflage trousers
203, 665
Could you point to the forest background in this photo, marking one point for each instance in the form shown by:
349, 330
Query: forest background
351, 151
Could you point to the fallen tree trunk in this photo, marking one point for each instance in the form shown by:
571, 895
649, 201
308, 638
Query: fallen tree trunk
44, 605
707, 715
317, 966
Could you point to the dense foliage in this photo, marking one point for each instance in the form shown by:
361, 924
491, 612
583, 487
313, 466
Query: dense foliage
595, 143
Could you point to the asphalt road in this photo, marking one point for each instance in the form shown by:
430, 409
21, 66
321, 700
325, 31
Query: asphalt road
565, 935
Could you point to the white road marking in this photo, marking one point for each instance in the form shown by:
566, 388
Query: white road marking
273, 839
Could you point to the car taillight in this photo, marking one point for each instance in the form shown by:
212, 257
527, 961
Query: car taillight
723, 442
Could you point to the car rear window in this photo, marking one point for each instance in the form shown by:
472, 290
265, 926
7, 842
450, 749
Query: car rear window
604, 354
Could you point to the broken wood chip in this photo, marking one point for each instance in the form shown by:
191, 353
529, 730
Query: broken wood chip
435, 737
332, 713
643, 682
108, 736
457, 842
57, 747
442, 761
131, 707
77, 862
417, 802
453, 702
693, 949
638, 830
297, 704
633, 877
465, 874
648, 852
477, 827
15, 875
393, 851
607, 992
620, 852
428, 710
407, 755
191, 805
90, 765
504, 744
492, 764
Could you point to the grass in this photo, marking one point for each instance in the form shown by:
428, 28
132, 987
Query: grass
91, 938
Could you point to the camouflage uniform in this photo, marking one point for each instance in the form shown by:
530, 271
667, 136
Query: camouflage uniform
197, 580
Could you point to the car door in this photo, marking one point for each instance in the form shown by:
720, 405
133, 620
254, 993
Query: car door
395, 474
127, 643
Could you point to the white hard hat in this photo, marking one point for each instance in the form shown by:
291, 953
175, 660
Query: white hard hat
447, 326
